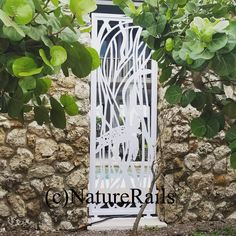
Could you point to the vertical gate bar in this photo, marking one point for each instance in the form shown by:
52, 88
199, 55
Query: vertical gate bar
93, 115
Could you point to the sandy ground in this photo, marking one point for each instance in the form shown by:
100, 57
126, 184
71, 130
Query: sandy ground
214, 228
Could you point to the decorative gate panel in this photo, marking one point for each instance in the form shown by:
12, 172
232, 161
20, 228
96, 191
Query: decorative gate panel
123, 115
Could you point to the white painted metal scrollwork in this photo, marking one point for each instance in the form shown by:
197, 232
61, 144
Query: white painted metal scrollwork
123, 113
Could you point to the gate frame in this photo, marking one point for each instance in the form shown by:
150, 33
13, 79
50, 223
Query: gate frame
93, 100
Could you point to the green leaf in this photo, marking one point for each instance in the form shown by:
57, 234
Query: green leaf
42, 18
153, 3
57, 114
9, 23
228, 47
28, 95
158, 54
96, 62
44, 58
196, 47
69, 104
184, 53
187, 97
18, 93
15, 107
198, 64
27, 108
11, 85
191, 7
66, 20
47, 41
4, 79
212, 126
177, 58
152, 42
41, 115
206, 55
161, 24
65, 70
181, 2
4, 44
69, 36
230, 110
57, 12
224, 64
24, 14
37, 32
198, 24
221, 25
42, 85
11, 33
82, 7
200, 101
146, 19
27, 83
21, 10
58, 55
221, 119
231, 134
79, 59
173, 94
25, 66
165, 74
55, 2
86, 29
4, 100
232, 146
198, 127
233, 160
219, 41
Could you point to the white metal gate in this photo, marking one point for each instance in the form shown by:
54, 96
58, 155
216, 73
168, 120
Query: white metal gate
123, 115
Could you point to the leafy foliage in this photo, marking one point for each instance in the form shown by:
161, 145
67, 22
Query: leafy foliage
38, 38
194, 43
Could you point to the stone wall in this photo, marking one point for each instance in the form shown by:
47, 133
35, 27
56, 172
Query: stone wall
197, 170
34, 159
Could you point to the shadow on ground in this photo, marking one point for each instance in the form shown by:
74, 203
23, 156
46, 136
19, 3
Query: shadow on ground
213, 228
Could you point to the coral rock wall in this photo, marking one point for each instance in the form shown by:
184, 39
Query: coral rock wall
197, 171
34, 159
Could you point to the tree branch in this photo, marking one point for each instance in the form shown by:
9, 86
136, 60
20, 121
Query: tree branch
62, 29
141, 211
36, 15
